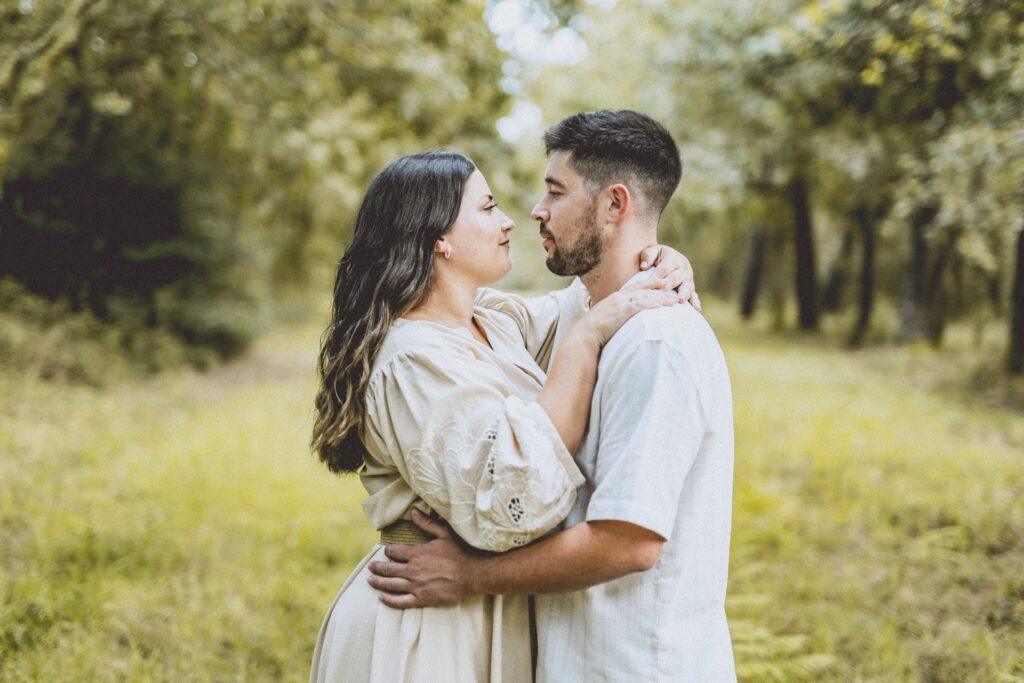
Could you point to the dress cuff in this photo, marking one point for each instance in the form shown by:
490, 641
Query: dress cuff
536, 414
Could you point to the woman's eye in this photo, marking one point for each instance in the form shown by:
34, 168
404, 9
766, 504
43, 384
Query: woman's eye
492, 207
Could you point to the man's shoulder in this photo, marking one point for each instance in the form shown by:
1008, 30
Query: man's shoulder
678, 327
676, 339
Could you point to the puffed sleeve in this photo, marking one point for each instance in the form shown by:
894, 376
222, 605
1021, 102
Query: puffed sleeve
542, 319
490, 463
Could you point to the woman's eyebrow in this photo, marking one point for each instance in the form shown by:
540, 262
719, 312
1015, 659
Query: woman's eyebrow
488, 197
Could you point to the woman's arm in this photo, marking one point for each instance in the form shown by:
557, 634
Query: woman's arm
489, 462
538, 317
570, 385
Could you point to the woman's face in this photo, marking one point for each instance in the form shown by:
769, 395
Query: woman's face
480, 249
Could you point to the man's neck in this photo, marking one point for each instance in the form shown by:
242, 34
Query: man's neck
619, 262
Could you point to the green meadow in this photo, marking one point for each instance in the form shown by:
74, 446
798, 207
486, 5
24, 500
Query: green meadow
177, 529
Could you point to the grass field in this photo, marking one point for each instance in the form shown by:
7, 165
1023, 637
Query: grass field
178, 530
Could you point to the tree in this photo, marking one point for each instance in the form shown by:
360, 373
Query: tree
179, 164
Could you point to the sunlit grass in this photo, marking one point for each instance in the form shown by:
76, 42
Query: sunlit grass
173, 530
882, 520
178, 529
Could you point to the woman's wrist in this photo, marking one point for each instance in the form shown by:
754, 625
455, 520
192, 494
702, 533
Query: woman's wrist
585, 335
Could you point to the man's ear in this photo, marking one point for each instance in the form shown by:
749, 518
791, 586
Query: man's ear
618, 203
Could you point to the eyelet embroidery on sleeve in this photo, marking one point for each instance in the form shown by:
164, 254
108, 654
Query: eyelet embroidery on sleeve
515, 508
499, 489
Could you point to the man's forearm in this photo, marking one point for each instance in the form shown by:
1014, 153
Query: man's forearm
579, 557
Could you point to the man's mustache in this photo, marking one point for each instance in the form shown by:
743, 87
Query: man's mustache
544, 232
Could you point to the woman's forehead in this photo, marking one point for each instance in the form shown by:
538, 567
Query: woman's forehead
476, 186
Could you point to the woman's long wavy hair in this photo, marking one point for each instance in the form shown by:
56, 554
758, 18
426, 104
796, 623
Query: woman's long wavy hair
384, 273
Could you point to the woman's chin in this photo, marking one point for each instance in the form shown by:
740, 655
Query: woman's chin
498, 274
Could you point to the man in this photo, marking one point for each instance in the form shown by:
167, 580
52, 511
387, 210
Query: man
634, 587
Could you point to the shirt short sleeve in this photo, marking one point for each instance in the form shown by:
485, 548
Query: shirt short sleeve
651, 427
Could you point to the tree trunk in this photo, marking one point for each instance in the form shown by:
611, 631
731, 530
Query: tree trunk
995, 293
1015, 362
839, 275
914, 303
866, 300
803, 235
936, 303
753, 272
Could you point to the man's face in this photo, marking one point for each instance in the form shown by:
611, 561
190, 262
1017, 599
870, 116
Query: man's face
568, 219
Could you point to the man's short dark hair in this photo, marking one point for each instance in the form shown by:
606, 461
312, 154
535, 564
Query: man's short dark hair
620, 146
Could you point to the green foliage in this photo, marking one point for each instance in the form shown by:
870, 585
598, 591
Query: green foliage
45, 340
904, 118
178, 165
178, 528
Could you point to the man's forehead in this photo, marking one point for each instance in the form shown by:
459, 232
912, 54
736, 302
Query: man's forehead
559, 170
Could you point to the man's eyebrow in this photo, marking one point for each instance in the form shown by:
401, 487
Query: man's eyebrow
551, 181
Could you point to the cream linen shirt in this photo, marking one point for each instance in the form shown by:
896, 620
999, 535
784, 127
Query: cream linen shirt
659, 454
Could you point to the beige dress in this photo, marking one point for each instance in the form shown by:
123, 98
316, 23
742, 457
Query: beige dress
453, 428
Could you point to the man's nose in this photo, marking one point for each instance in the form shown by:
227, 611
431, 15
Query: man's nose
540, 214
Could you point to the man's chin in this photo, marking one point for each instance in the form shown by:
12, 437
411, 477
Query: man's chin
557, 267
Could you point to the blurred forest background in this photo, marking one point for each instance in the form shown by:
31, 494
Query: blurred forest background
178, 179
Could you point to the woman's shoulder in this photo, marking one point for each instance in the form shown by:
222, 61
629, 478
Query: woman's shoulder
419, 342
491, 298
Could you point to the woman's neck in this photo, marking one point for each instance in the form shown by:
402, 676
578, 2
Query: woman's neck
448, 303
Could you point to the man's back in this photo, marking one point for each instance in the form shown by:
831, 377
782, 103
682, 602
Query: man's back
658, 454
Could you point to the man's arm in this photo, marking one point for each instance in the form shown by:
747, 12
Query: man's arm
442, 573
651, 428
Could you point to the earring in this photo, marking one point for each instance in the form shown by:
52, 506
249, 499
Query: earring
446, 250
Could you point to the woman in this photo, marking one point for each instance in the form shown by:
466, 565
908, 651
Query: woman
430, 391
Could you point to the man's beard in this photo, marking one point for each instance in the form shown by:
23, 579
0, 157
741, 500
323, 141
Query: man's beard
583, 255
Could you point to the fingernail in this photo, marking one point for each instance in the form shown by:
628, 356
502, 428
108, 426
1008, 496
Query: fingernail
643, 265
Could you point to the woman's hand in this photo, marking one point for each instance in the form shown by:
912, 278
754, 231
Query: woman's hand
606, 317
674, 268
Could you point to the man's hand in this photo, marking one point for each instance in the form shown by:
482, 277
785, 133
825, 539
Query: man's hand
436, 573
675, 268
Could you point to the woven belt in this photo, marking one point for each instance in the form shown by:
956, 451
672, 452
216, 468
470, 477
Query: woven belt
404, 531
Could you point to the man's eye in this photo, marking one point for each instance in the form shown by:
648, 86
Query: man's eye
553, 193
